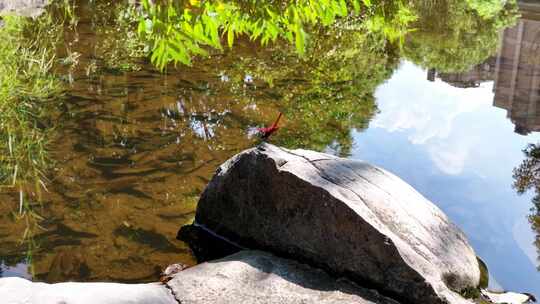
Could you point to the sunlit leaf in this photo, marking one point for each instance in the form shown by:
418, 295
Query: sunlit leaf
230, 37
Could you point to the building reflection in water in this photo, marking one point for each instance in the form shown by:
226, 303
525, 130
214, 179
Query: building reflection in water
515, 71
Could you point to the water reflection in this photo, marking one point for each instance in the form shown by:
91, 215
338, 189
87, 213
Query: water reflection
515, 72
449, 38
517, 85
527, 177
443, 132
459, 151
132, 148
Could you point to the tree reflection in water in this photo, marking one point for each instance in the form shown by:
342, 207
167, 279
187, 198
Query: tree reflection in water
527, 177
454, 35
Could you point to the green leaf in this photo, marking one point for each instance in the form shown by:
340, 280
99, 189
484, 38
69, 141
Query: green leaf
178, 52
300, 40
342, 8
356, 6
230, 37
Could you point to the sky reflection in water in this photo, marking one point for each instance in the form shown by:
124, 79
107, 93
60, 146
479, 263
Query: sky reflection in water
458, 150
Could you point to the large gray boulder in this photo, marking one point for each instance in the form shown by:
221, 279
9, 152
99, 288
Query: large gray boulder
346, 216
256, 277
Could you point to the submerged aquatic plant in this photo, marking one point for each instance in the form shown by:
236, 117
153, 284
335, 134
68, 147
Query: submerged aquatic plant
26, 87
29, 87
27, 91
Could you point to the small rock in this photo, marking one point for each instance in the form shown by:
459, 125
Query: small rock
167, 274
508, 297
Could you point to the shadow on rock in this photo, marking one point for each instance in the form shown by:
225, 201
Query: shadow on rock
205, 245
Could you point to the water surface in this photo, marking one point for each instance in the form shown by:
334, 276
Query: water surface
449, 110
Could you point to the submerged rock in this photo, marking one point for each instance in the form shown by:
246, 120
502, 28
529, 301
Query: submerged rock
349, 217
256, 277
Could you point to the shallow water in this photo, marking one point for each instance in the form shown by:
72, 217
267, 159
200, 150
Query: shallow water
132, 151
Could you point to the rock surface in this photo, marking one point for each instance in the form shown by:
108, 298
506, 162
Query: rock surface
508, 297
346, 216
29, 8
21, 291
253, 277
256, 277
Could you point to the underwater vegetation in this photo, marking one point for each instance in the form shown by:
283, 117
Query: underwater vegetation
27, 91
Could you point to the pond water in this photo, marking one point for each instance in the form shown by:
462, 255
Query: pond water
447, 107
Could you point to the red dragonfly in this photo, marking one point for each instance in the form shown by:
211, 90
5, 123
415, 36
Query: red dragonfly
266, 132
